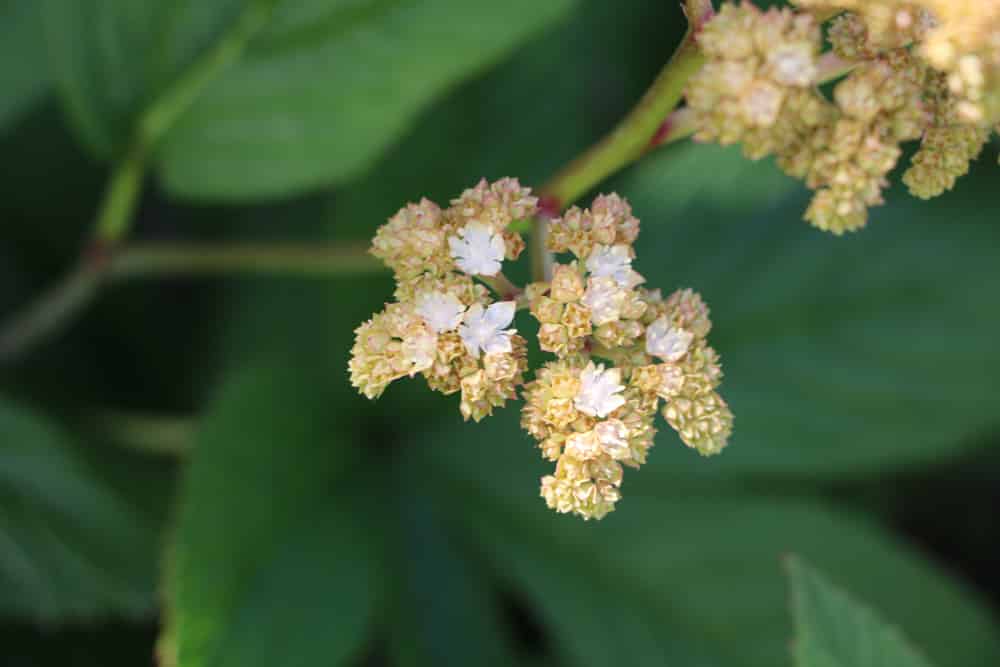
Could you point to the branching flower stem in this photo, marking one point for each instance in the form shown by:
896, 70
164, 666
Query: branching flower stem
643, 125
115, 215
643, 128
655, 121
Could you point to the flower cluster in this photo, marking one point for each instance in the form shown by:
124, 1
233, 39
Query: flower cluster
444, 325
621, 350
922, 69
592, 418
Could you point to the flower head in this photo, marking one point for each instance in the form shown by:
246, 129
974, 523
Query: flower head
483, 330
412, 242
919, 69
590, 419
600, 391
478, 249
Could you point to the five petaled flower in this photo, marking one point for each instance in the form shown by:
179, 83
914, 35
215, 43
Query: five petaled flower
483, 330
600, 391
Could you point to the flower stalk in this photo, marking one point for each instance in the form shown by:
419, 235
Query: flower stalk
630, 139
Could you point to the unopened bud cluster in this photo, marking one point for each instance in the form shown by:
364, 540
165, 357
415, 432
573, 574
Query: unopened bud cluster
925, 70
622, 352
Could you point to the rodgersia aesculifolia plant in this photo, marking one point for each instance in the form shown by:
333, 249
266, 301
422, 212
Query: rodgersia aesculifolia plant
620, 349
923, 70
832, 89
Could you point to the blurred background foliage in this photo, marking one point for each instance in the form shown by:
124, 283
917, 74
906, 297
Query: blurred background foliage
269, 515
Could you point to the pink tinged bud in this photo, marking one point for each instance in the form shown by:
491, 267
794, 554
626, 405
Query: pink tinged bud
762, 103
419, 349
667, 342
583, 445
441, 311
793, 64
612, 435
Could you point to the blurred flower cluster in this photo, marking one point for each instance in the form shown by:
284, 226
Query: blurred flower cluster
925, 70
621, 350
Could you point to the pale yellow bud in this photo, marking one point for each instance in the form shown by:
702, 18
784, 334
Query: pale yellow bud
567, 283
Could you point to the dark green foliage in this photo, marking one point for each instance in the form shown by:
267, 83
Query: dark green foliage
313, 527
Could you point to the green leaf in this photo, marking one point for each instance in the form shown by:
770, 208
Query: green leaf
71, 547
695, 575
482, 128
317, 96
834, 630
444, 610
842, 355
23, 73
273, 560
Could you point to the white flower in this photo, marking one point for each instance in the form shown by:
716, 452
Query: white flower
613, 262
600, 391
667, 342
477, 249
483, 330
612, 435
605, 298
442, 311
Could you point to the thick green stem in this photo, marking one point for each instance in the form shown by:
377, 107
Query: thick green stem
117, 208
150, 434
631, 137
501, 286
646, 125
164, 260
48, 312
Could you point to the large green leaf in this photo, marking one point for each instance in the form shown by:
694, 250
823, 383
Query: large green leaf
673, 573
444, 611
842, 355
318, 94
71, 547
23, 70
273, 559
834, 630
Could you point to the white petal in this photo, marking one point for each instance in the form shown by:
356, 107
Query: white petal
501, 313
499, 343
